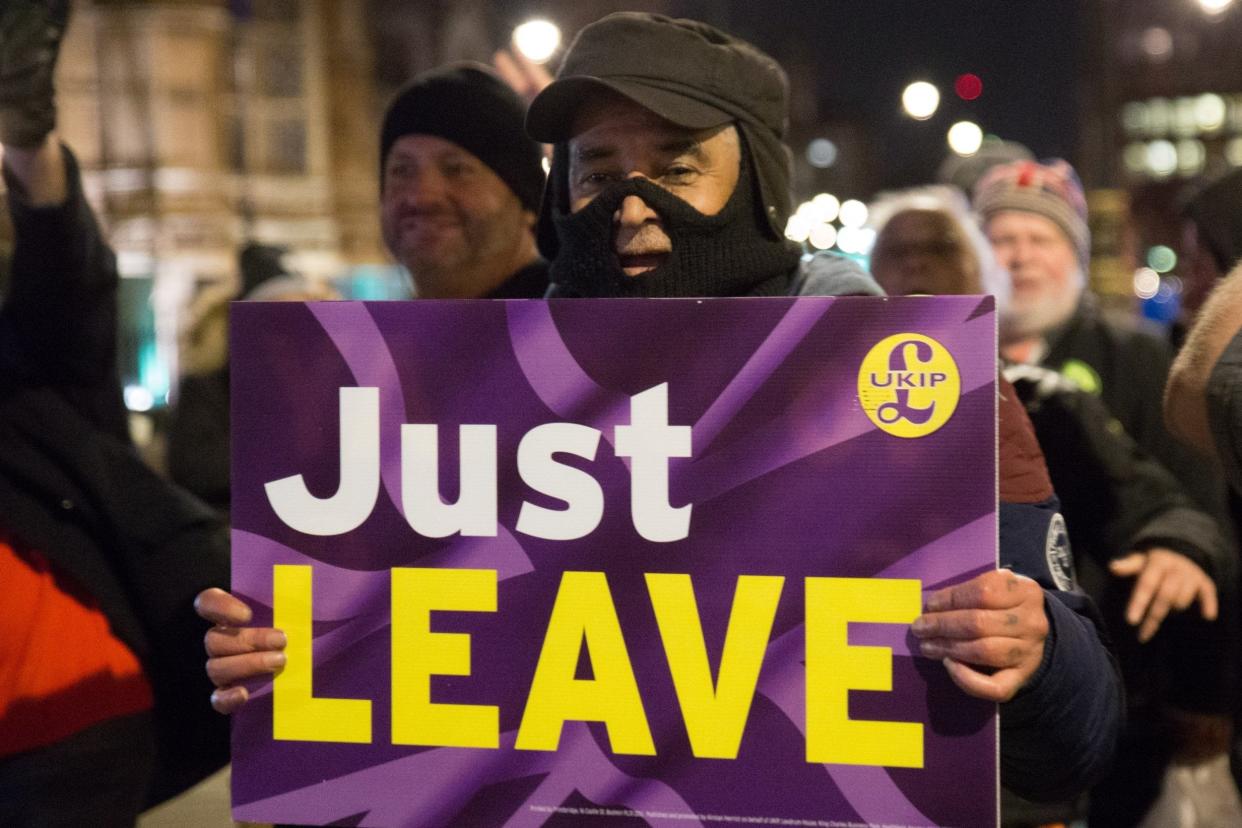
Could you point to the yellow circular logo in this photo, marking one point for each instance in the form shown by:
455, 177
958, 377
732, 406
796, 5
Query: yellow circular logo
909, 385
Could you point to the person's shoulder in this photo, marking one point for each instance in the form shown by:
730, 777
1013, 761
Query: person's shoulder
1110, 341
831, 274
1130, 333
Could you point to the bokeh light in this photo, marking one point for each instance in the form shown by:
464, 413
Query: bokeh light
1157, 44
537, 40
1146, 283
853, 213
1159, 116
1215, 6
1210, 111
823, 236
825, 207
821, 153
1185, 122
1233, 151
1134, 118
1161, 158
798, 228
847, 239
1135, 157
920, 100
866, 240
856, 241
965, 138
1191, 156
968, 86
1161, 258
138, 398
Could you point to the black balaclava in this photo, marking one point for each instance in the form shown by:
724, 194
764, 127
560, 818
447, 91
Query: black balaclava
726, 254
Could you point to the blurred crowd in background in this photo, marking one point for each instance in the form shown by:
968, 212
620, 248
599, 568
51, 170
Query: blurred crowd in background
205, 127
1080, 161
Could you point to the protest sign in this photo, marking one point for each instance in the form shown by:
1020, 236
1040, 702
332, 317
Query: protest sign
614, 561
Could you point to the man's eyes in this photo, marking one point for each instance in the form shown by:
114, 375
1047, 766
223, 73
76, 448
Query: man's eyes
679, 173
448, 169
457, 169
674, 175
599, 177
1034, 241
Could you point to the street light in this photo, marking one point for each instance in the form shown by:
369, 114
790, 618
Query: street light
823, 236
1146, 283
1210, 112
1215, 7
965, 138
537, 40
853, 213
798, 228
825, 207
821, 153
920, 100
1162, 158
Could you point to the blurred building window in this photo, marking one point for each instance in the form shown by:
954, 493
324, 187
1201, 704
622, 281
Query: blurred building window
285, 11
286, 147
236, 142
280, 70
126, 141
185, 59
184, 129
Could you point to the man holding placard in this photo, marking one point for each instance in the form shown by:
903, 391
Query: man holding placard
669, 179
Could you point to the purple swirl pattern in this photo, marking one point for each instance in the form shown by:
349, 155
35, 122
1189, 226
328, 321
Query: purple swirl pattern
769, 388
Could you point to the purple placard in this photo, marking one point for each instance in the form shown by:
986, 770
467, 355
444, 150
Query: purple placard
763, 448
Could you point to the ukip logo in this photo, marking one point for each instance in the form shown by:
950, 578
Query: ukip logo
909, 385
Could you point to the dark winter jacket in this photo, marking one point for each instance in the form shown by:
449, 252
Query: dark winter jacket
73, 489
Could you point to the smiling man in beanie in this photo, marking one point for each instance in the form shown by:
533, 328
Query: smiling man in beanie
1180, 667
459, 187
1035, 216
670, 178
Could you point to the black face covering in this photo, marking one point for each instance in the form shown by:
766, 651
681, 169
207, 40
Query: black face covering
726, 254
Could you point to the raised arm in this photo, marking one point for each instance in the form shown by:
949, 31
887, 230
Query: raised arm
38, 172
58, 319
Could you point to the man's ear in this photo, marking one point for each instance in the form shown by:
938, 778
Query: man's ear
529, 219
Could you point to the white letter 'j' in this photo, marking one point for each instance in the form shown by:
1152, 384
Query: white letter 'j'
360, 475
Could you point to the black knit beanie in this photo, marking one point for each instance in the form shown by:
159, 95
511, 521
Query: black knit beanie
1217, 213
468, 104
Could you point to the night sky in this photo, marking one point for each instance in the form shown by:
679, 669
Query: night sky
864, 52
